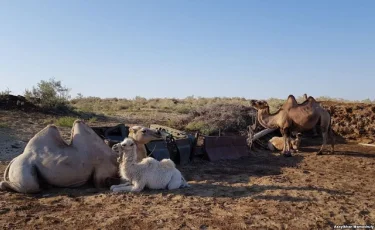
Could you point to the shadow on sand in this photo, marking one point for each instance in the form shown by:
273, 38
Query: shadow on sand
253, 191
211, 179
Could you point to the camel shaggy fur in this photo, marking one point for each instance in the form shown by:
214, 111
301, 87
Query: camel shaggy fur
48, 158
148, 173
296, 117
277, 143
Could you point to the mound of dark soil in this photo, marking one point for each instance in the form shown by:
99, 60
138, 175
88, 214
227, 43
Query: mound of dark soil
353, 121
11, 102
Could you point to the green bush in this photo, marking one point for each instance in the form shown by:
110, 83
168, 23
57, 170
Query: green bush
65, 121
3, 125
5, 92
202, 127
49, 94
93, 119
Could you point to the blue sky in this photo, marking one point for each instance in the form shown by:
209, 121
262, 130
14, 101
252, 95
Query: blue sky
252, 49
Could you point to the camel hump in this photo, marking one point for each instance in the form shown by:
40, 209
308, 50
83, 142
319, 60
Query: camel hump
310, 98
50, 134
290, 102
291, 99
167, 163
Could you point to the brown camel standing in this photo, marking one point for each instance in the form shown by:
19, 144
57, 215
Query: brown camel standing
295, 117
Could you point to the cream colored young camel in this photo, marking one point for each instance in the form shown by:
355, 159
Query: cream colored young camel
291, 117
48, 157
148, 173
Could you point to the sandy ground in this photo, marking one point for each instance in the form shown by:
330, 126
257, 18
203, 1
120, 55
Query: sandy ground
262, 191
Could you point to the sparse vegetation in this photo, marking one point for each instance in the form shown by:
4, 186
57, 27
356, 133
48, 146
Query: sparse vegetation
5, 92
49, 94
207, 115
3, 125
65, 121
211, 118
93, 119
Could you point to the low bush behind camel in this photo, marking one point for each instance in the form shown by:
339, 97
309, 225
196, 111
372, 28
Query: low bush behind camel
295, 117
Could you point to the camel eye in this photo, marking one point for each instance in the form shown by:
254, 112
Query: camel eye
131, 144
144, 131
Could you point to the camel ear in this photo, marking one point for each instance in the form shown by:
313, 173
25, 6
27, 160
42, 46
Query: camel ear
116, 147
134, 129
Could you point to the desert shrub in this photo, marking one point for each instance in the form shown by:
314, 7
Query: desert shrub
184, 109
93, 119
211, 118
49, 94
202, 127
3, 125
65, 121
5, 92
275, 104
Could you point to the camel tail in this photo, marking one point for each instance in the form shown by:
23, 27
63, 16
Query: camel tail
184, 183
6, 173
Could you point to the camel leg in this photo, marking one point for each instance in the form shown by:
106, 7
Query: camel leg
286, 149
122, 188
137, 187
22, 180
175, 182
284, 140
324, 134
119, 186
315, 133
332, 137
104, 174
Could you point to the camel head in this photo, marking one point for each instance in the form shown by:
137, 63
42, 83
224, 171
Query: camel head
143, 135
126, 145
125, 148
296, 142
259, 105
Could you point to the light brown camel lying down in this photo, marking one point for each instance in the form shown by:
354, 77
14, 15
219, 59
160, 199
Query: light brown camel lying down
277, 143
141, 136
47, 156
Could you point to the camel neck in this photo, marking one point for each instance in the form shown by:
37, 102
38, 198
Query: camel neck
267, 120
130, 159
141, 151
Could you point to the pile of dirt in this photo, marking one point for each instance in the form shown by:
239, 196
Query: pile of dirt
11, 102
353, 121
